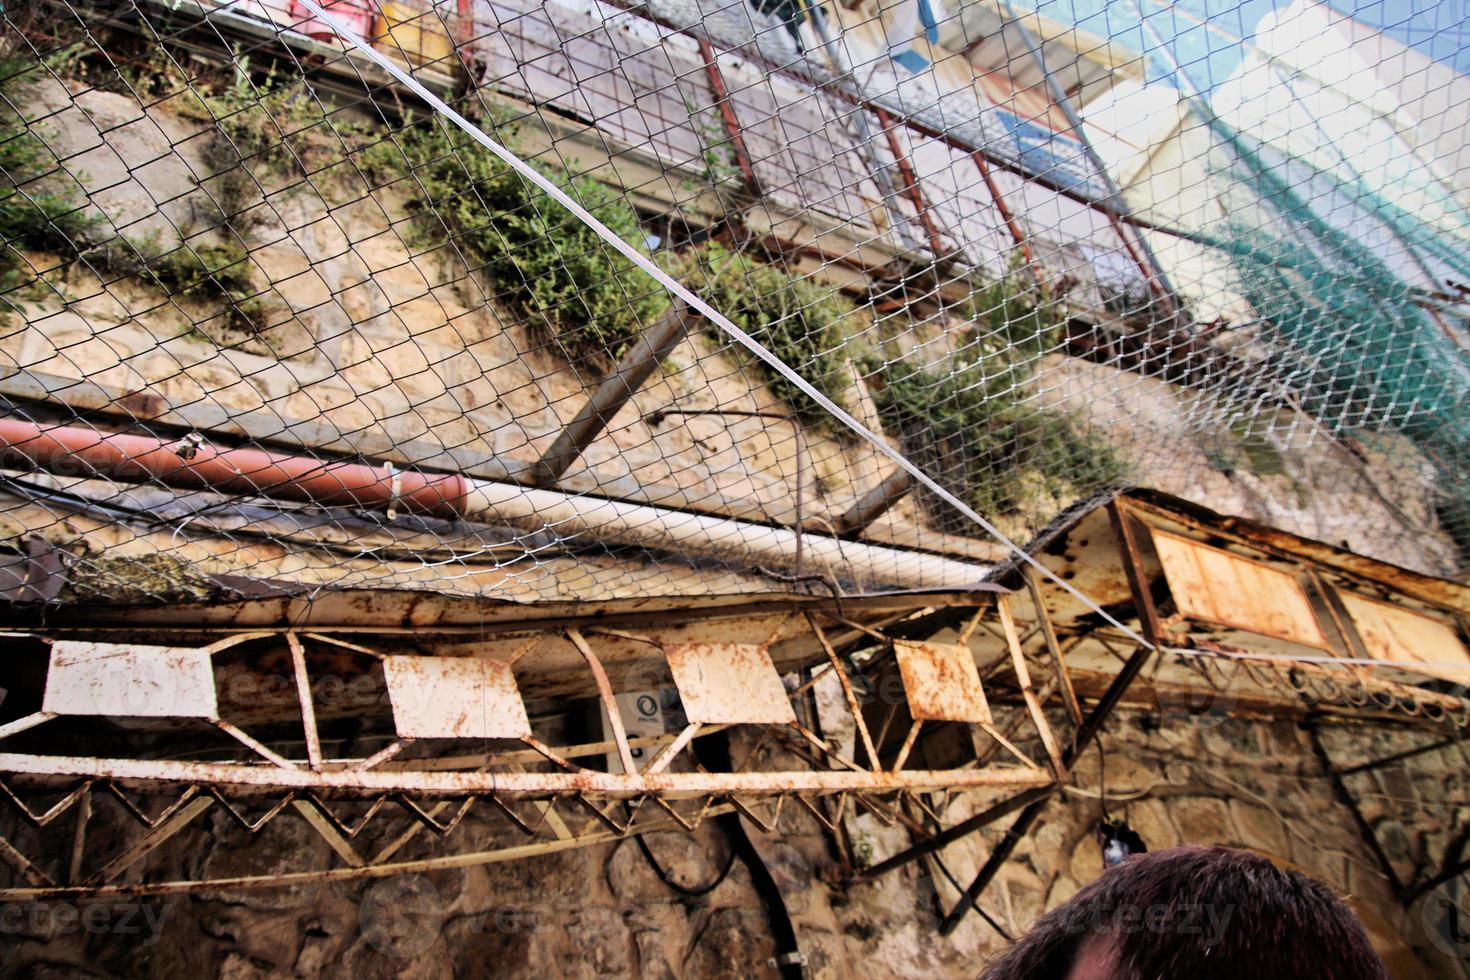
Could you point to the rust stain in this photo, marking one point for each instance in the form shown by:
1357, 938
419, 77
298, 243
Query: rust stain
1442, 592
454, 697
941, 682
1220, 587
728, 683
1393, 633
129, 680
143, 404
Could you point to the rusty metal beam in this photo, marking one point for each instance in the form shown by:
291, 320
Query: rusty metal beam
1028, 693
292, 878
1401, 756
634, 368
847, 692
263, 779
335, 839
876, 502
303, 695
1138, 582
79, 836
156, 837
609, 703
911, 184
1346, 798
944, 838
731, 122
1133, 241
22, 865
1049, 637
1018, 234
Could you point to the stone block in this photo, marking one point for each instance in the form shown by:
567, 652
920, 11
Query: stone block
1150, 818
1203, 820
1261, 829
688, 860
734, 945
1086, 861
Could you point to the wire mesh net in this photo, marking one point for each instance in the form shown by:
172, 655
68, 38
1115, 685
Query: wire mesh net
270, 317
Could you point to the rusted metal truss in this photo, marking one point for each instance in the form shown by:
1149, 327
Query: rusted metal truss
372, 718
371, 734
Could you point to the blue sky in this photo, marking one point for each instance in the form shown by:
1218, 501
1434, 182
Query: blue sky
1439, 28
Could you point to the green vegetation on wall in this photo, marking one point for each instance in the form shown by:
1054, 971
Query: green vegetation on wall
970, 420
806, 325
38, 212
547, 266
974, 426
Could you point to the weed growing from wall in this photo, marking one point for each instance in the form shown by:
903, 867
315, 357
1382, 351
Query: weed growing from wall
806, 325
39, 210
973, 425
550, 269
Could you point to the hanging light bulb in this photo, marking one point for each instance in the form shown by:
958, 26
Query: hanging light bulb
1119, 842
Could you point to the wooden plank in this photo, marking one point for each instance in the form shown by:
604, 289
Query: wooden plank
1219, 587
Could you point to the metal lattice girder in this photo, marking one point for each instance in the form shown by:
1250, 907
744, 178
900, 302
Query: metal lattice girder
448, 728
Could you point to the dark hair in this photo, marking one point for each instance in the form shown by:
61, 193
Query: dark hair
1202, 913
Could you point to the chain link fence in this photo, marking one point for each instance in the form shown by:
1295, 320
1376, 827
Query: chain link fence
269, 317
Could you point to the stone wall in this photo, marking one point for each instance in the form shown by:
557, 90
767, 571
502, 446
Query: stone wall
366, 346
602, 912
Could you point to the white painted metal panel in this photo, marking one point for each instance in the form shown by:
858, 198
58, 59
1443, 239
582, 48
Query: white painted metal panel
1218, 587
1394, 633
129, 680
941, 682
454, 697
729, 684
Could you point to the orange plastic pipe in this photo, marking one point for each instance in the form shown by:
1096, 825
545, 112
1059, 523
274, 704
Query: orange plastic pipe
82, 452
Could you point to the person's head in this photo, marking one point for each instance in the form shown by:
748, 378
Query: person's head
1202, 913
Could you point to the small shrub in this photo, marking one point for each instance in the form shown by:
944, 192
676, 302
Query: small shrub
802, 323
261, 129
1452, 506
972, 427
220, 273
37, 211
553, 271
213, 272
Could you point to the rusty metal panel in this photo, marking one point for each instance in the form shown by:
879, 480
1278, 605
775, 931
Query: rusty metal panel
941, 682
129, 680
1219, 587
1402, 635
454, 697
728, 684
